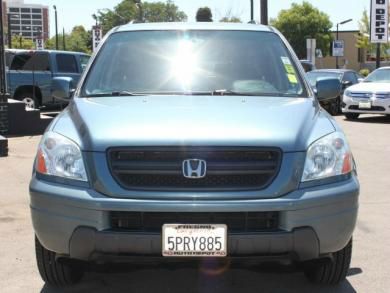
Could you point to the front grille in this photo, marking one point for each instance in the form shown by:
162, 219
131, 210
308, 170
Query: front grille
162, 168
373, 108
360, 95
236, 222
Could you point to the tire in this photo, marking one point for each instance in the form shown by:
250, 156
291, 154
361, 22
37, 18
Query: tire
52, 271
351, 116
332, 272
334, 107
30, 101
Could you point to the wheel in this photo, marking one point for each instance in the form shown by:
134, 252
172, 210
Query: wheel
332, 272
54, 272
29, 100
334, 107
351, 116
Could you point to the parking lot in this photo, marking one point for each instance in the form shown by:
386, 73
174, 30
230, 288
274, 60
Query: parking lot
370, 141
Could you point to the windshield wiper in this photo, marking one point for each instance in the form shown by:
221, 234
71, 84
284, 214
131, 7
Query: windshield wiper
225, 92
114, 94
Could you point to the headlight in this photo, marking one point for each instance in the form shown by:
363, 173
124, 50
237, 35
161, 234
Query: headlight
347, 93
327, 157
59, 156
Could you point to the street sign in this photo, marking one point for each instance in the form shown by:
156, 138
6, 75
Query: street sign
39, 44
379, 21
97, 35
338, 48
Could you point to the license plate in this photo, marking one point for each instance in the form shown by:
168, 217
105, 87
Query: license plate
364, 105
194, 240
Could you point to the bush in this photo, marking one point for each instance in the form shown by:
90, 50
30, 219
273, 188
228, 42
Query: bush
364, 72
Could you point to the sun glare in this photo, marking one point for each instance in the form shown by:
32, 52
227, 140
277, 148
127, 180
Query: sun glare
185, 64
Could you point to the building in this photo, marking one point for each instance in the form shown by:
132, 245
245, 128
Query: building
30, 21
354, 57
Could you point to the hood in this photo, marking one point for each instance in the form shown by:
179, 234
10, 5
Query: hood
100, 123
371, 87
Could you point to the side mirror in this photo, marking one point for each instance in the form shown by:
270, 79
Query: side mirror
346, 84
62, 88
360, 80
328, 88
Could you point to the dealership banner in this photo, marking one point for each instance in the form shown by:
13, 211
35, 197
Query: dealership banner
338, 48
379, 21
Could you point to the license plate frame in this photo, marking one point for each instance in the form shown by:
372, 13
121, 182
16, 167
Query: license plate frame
193, 231
365, 105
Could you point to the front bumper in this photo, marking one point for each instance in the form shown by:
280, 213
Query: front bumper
379, 106
74, 221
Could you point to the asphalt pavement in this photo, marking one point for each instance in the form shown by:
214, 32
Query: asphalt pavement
370, 141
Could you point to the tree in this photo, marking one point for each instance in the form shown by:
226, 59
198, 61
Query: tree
304, 21
204, 15
231, 19
78, 40
19, 42
128, 10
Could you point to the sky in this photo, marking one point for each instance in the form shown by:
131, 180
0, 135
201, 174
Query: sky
76, 12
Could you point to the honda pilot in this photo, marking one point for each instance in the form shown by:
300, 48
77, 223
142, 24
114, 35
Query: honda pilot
188, 142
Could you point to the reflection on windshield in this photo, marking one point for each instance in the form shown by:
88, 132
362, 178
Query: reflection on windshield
188, 62
381, 75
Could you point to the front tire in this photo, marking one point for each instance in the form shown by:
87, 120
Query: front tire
334, 107
54, 272
29, 100
332, 272
351, 116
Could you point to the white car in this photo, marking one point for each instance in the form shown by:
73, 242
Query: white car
372, 96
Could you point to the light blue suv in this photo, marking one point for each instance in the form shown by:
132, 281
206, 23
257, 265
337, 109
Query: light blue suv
191, 141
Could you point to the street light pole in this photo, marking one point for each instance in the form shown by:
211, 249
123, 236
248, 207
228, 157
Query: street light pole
9, 31
337, 37
63, 38
56, 22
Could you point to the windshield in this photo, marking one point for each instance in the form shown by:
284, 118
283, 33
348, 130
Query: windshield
381, 75
313, 77
193, 62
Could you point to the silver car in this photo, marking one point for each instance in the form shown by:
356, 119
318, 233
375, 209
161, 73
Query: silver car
190, 141
372, 96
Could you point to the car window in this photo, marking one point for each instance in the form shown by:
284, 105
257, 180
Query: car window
379, 75
314, 76
66, 63
31, 61
350, 77
84, 59
194, 61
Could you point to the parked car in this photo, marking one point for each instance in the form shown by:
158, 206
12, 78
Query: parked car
372, 96
346, 78
307, 65
192, 141
30, 74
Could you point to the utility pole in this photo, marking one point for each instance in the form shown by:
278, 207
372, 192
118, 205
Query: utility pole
56, 22
264, 12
